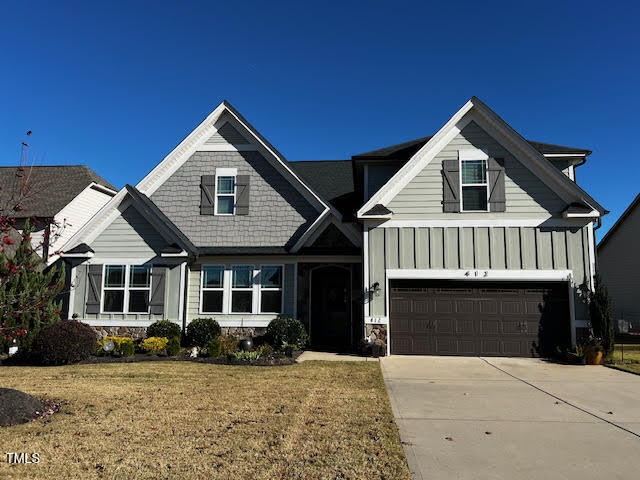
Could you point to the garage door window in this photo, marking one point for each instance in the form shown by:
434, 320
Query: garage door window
474, 186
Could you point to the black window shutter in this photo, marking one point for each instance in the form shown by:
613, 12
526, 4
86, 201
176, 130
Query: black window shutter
158, 276
242, 194
495, 175
94, 288
450, 186
207, 194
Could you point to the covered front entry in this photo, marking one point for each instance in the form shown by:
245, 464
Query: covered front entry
330, 307
478, 318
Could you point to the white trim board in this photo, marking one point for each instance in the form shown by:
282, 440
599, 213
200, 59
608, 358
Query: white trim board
479, 274
483, 222
559, 183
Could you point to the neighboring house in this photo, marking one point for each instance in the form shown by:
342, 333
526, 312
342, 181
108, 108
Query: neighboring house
55, 198
619, 265
473, 241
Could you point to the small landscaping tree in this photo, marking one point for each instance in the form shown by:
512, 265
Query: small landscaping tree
28, 290
601, 315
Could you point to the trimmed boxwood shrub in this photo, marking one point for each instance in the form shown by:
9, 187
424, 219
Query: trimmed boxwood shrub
284, 331
164, 328
213, 349
173, 347
64, 342
201, 331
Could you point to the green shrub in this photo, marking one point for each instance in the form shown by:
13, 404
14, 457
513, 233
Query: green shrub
64, 342
154, 345
173, 347
213, 349
228, 345
122, 346
127, 349
286, 331
164, 328
200, 331
601, 316
265, 349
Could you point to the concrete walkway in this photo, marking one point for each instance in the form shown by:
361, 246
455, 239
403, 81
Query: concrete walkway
333, 357
505, 418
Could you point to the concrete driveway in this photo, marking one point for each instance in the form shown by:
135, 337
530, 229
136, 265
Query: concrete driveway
506, 418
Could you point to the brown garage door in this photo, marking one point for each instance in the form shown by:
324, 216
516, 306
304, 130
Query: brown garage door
490, 319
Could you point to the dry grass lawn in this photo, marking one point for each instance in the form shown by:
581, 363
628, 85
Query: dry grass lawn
631, 353
315, 420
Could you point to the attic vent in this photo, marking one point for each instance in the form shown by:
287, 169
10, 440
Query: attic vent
227, 134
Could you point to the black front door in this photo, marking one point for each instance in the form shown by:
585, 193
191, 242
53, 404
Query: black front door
330, 308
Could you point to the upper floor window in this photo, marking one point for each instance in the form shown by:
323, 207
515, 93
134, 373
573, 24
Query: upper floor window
474, 186
225, 195
126, 288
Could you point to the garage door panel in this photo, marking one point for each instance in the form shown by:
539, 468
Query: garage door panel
465, 326
464, 306
443, 306
490, 326
497, 319
445, 326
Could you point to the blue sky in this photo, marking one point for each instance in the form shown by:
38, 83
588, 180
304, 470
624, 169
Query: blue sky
118, 85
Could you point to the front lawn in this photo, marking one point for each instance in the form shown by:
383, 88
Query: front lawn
188, 420
630, 353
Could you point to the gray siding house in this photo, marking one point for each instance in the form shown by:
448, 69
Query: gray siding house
473, 241
619, 265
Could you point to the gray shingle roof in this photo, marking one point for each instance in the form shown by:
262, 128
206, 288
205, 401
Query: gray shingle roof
404, 151
332, 180
49, 189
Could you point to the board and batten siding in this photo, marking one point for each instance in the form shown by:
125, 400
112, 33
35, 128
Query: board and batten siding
526, 195
193, 297
476, 248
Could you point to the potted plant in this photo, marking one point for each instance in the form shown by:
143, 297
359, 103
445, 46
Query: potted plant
577, 357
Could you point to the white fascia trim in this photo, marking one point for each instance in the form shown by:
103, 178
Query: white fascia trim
482, 114
365, 269
417, 162
77, 255
122, 323
102, 188
108, 211
348, 230
226, 148
375, 217
178, 255
495, 222
562, 155
281, 162
591, 214
180, 153
303, 238
481, 274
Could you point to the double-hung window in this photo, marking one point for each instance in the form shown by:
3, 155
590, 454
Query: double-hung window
271, 289
242, 289
212, 289
225, 194
126, 289
474, 186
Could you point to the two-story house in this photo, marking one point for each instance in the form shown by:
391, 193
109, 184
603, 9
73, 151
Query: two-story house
472, 241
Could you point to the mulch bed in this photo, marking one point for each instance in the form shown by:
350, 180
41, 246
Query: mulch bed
268, 360
18, 407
